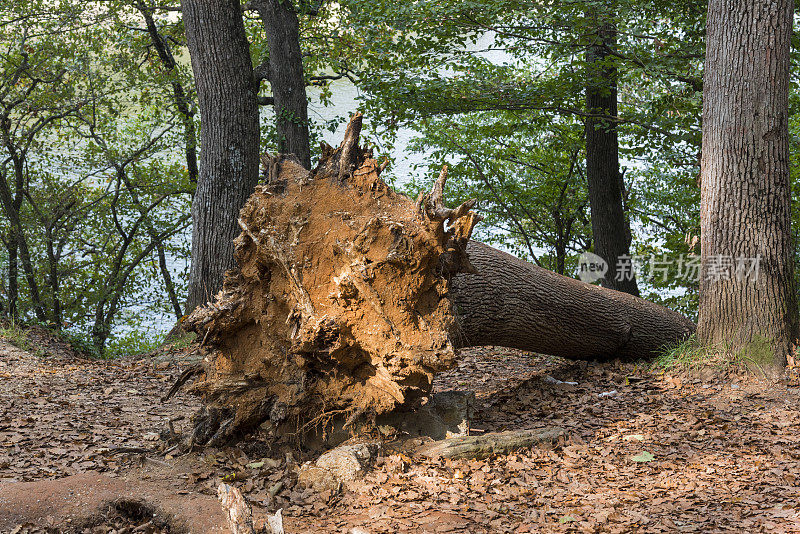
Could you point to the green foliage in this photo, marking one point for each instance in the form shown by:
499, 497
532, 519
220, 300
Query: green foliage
496, 90
182, 341
94, 197
17, 335
527, 176
131, 343
794, 157
81, 342
95, 191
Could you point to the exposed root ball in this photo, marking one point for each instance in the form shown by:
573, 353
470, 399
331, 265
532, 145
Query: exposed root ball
339, 303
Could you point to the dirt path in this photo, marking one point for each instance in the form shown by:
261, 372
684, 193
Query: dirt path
658, 455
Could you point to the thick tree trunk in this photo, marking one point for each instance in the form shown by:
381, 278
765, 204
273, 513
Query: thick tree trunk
229, 137
747, 289
610, 228
513, 303
349, 297
285, 75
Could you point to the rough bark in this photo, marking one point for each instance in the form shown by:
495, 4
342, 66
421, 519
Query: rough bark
610, 227
483, 446
513, 303
229, 143
285, 75
348, 299
745, 202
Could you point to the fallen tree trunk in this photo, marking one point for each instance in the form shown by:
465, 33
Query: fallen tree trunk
349, 297
513, 303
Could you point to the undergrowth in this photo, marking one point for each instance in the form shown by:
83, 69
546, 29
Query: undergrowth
180, 342
692, 355
17, 335
131, 343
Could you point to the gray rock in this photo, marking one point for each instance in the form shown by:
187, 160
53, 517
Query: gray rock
339, 466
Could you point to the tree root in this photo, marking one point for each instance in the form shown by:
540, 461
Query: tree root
339, 303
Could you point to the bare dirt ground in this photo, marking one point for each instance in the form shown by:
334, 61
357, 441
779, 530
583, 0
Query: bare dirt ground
644, 453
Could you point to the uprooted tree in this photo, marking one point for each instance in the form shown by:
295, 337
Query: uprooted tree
348, 297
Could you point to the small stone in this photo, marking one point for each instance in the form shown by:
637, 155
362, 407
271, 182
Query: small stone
340, 465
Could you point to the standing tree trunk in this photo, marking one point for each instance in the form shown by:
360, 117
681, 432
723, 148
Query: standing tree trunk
182, 101
13, 275
285, 75
229, 143
747, 290
18, 251
612, 233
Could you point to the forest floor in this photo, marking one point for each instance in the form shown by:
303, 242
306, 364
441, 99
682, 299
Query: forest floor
662, 453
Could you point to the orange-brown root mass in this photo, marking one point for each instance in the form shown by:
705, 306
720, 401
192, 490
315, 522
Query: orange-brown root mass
340, 301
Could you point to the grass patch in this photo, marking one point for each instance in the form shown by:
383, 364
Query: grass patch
17, 335
181, 342
681, 356
691, 355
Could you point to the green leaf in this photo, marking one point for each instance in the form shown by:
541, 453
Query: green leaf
643, 456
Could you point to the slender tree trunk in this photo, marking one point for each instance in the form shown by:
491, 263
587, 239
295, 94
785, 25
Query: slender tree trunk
30, 275
182, 101
285, 75
561, 258
229, 143
13, 275
612, 234
18, 245
153, 234
169, 285
53, 278
747, 289
100, 329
